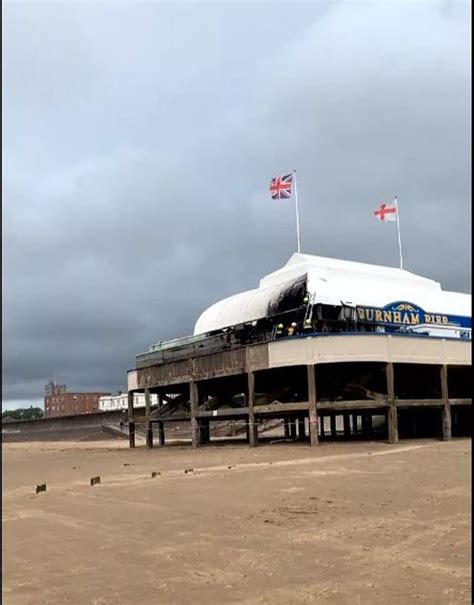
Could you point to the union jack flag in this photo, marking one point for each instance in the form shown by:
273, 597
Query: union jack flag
280, 187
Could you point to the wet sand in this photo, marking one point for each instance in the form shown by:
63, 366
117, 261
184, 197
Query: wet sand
354, 523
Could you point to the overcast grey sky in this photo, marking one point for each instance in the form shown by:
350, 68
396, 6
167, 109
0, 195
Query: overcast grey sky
139, 140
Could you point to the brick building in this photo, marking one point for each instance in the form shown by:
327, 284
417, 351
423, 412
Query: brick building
58, 402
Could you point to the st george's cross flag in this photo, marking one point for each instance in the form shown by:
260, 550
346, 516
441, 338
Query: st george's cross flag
387, 213
280, 187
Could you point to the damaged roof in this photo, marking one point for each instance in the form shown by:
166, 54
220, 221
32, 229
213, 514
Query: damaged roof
333, 281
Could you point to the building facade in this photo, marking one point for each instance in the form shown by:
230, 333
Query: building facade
109, 403
58, 402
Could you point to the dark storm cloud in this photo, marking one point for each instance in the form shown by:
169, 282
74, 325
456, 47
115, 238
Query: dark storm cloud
139, 141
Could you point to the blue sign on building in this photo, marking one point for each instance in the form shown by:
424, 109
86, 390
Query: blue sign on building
410, 315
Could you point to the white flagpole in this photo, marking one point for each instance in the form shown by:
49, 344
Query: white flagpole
399, 236
297, 213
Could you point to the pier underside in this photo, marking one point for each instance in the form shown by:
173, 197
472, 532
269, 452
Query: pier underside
311, 389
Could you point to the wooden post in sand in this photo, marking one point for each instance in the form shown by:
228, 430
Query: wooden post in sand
446, 409
312, 405
193, 397
149, 426
392, 413
161, 424
131, 420
253, 429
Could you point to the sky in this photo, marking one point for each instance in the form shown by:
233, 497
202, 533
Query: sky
140, 138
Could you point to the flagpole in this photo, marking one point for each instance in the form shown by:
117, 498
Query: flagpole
297, 213
399, 236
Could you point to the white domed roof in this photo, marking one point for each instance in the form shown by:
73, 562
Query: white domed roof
333, 282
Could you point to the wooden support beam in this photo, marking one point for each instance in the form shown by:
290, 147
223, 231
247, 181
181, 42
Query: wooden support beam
418, 403
161, 425
446, 409
286, 427
170, 407
312, 405
339, 407
275, 408
430, 403
193, 397
130, 402
281, 407
252, 423
352, 404
180, 417
131, 422
460, 402
223, 413
392, 413
392, 423
149, 427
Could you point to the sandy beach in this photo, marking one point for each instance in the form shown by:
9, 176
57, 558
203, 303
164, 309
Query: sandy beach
349, 523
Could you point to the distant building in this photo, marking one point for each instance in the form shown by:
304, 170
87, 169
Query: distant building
58, 402
54, 389
108, 403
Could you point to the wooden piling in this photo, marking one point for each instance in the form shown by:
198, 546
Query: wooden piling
392, 414
195, 430
131, 422
446, 409
149, 427
161, 424
253, 428
312, 405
